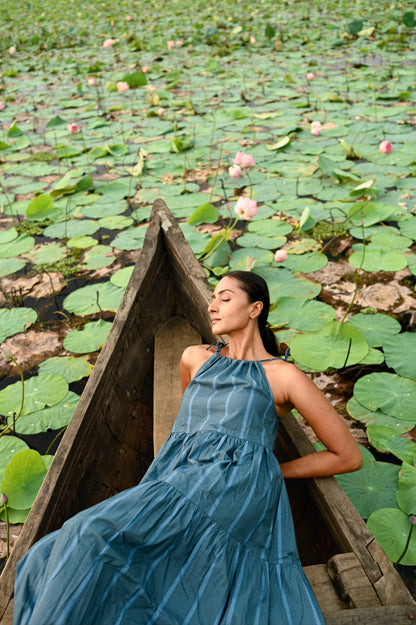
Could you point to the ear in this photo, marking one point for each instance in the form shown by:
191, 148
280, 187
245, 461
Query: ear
256, 309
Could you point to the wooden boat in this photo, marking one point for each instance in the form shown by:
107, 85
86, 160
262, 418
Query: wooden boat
128, 406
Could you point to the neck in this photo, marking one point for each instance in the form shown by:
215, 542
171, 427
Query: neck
246, 345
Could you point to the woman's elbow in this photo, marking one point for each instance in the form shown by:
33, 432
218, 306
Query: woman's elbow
353, 462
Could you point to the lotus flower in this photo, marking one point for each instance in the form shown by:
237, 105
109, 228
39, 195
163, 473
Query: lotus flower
235, 171
280, 256
385, 147
246, 208
244, 160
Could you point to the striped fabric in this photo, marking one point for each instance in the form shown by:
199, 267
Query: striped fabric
206, 538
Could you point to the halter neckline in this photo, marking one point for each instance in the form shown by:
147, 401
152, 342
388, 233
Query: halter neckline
219, 346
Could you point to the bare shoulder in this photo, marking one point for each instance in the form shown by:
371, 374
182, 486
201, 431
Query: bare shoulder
285, 379
192, 359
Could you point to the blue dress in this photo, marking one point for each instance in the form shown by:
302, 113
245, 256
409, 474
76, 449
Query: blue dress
206, 538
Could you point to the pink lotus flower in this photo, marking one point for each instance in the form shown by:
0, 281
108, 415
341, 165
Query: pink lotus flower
252, 40
122, 87
128, 18
246, 208
179, 43
171, 45
73, 128
316, 128
235, 171
1, 105
108, 43
145, 69
12, 50
385, 147
161, 112
244, 160
91, 82
310, 76
280, 256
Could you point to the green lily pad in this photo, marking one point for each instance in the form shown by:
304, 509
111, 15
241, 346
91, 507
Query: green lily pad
301, 314
206, 213
52, 418
121, 277
391, 240
68, 367
372, 487
115, 222
93, 298
408, 228
361, 413
22, 479
47, 253
406, 492
199, 241
252, 239
82, 242
9, 446
386, 440
270, 227
388, 392
306, 263
98, 257
248, 258
41, 207
369, 213
130, 239
15, 320
23, 243
400, 354
90, 339
8, 235
375, 327
40, 391
282, 282
377, 258
391, 527
336, 345
70, 229
9, 266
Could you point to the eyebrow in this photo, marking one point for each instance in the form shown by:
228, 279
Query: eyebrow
222, 291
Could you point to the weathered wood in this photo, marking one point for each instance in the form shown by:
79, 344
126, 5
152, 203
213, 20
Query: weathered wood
351, 582
8, 615
389, 587
325, 593
386, 615
170, 341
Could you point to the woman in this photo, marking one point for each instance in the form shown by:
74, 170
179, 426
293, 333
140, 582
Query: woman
207, 537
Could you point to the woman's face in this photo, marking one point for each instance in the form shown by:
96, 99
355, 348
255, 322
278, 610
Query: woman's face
230, 308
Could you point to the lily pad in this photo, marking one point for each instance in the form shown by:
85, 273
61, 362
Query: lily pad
98, 257
375, 327
90, 339
10, 265
130, 239
361, 413
386, 440
41, 207
23, 243
47, 253
72, 228
82, 242
15, 320
388, 392
381, 523
306, 263
115, 222
372, 487
400, 354
9, 446
252, 239
68, 367
40, 391
369, 213
377, 258
336, 345
93, 298
270, 227
52, 418
121, 277
283, 282
406, 492
301, 314
22, 479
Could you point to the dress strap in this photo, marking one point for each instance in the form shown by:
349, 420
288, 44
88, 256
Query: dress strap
218, 346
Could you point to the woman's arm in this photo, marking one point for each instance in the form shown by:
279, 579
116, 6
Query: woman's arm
192, 358
342, 453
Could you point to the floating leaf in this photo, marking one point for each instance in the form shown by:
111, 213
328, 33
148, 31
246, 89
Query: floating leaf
336, 345
301, 314
10, 265
23, 243
40, 391
388, 441
135, 79
206, 213
93, 298
15, 320
406, 493
372, 487
68, 367
9, 446
47, 253
366, 416
306, 263
369, 213
90, 339
8, 235
391, 527
70, 229
52, 418
270, 227
377, 258
375, 327
130, 239
41, 207
400, 354
81, 242
121, 277
115, 222
389, 393
22, 479
278, 145
252, 239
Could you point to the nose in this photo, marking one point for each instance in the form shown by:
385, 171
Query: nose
212, 306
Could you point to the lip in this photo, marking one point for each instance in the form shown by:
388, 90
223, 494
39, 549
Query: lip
215, 320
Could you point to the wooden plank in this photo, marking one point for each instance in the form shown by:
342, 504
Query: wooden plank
386, 615
170, 341
325, 593
389, 587
8, 615
352, 583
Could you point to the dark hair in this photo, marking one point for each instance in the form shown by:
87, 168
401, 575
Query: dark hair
257, 291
